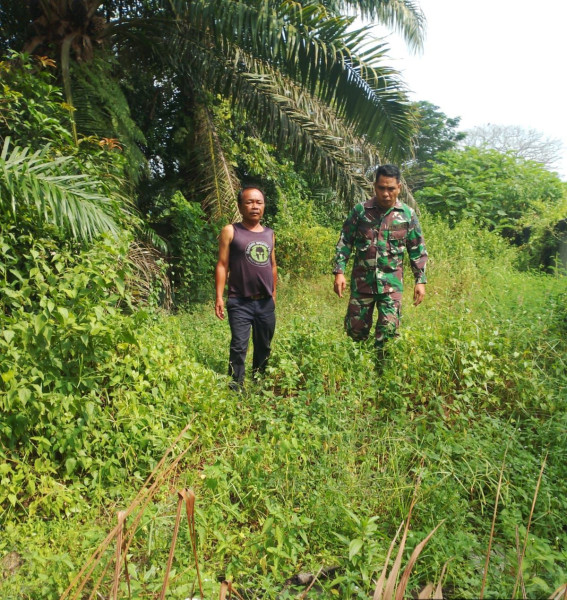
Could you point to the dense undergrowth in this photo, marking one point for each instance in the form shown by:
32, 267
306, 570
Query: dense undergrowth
316, 465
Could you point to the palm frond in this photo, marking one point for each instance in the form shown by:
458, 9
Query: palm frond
402, 16
310, 132
102, 110
344, 68
59, 196
218, 185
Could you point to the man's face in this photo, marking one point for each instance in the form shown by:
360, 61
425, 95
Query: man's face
252, 205
387, 190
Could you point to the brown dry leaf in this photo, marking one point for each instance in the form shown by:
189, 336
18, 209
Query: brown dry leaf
426, 592
380, 583
413, 558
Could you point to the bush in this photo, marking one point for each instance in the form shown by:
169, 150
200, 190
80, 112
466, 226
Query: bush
194, 249
499, 191
305, 251
63, 330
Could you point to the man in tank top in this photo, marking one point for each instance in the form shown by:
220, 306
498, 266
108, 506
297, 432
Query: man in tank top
247, 259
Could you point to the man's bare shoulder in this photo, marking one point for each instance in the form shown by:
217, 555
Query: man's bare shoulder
227, 233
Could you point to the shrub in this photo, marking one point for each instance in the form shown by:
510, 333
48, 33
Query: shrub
194, 249
305, 251
497, 190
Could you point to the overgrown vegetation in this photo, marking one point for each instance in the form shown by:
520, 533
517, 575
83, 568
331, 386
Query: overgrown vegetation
500, 191
317, 465
312, 469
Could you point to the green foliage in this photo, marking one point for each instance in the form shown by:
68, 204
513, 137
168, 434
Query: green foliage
101, 109
194, 249
62, 331
314, 465
32, 110
304, 251
36, 190
499, 191
317, 464
308, 82
47, 180
545, 237
436, 132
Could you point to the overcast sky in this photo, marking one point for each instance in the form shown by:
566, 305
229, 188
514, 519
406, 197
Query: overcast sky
493, 61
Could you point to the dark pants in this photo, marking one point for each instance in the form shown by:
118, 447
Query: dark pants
244, 313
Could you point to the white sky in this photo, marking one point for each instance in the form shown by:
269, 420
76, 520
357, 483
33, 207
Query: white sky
493, 61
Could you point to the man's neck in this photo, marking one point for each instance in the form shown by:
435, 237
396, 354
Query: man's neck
252, 226
381, 208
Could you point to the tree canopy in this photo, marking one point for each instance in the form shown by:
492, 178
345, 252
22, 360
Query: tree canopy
299, 75
495, 189
525, 143
436, 132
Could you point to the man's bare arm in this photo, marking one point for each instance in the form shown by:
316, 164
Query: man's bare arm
221, 270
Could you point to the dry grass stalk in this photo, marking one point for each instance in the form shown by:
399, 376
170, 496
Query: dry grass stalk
439, 590
491, 538
392, 578
387, 593
172, 547
522, 555
142, 499
134, 525
413, 558
226, 588
426, 592
432, 591
380, 584
119, 541
560, 591
189, 497
303, 595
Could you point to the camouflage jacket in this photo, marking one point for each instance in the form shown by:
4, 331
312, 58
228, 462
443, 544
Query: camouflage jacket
378, 239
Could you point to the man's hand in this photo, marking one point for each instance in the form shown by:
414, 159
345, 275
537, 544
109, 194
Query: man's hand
418, 293
340, 284
219, 308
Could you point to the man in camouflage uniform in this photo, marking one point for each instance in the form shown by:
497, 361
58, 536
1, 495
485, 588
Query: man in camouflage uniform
377, 231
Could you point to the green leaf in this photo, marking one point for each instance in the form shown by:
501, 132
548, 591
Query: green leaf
8, 335
24, 395
354, 548
70, 465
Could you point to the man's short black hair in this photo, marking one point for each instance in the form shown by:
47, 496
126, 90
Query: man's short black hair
250, 186
388, 171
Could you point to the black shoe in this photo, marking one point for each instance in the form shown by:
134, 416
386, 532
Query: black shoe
236, 386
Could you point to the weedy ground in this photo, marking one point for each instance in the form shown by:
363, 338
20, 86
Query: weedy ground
316, 465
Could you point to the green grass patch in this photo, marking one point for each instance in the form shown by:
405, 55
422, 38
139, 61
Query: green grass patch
317, 464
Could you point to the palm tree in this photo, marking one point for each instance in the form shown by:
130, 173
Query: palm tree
308, 81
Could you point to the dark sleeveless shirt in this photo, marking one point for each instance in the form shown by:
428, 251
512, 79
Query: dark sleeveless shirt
250, 262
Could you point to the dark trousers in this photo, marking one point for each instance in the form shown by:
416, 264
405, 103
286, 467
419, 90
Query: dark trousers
243, 314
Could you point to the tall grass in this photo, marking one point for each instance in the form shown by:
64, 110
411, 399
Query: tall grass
313, 469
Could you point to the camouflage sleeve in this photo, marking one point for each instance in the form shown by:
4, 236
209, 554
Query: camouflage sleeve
344, 245
416, 250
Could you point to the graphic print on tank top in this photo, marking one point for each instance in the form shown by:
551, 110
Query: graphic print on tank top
258, 253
